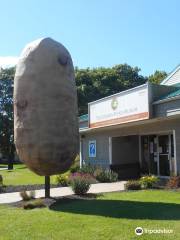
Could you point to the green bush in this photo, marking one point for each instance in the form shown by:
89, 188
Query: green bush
113, 176
38, 203
80, 182
76, 165
174, 182
105, 175
101, 175
89, 169
74, 169
133, 185
148, 181
62, 179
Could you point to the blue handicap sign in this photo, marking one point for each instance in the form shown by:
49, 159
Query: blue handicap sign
92, 149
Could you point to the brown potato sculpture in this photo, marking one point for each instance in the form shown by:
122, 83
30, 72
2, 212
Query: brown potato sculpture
45, 108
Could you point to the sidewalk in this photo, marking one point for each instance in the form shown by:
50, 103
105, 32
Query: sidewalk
3, 168
65, 191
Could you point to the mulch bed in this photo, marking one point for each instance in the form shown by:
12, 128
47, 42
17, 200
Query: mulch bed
49, 202
20, 188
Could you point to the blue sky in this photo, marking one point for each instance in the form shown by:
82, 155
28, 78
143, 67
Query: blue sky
143, 33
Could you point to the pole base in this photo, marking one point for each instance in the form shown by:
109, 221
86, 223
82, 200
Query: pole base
47, 186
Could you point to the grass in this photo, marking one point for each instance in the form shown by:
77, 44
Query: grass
21, 175
112, 216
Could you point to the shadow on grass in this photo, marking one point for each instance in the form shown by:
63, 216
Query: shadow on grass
23, 167
119, 209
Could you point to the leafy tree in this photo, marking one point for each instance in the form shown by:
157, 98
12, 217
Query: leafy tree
157, 77
93, 84
6, 114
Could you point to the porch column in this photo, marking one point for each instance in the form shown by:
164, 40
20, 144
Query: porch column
110, 150
80, 152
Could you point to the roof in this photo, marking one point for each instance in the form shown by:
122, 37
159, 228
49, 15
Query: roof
175, 93
171, 95
171, 74
83, 118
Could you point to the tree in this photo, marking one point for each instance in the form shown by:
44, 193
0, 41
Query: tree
6, 114
93, 84
157, 77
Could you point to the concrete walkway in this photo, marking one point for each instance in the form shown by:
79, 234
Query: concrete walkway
65, 191
3, 168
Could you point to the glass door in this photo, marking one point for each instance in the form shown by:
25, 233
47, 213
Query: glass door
149, 154
157, 155
153, 155
164, 155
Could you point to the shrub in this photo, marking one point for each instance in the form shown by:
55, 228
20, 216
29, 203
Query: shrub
76, 165
133, 185
1, 180
113, 176
105, 175
74, 169
38, 203
62, 179
174, 182
101, 175
148, 181
89, 169
27, 196
80, 182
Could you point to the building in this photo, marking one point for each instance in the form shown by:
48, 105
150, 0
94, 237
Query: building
136, 131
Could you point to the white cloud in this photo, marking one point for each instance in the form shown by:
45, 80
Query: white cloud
8, 61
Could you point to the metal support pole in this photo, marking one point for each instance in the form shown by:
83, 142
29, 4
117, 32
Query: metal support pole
47, 186
10, 164
80, 152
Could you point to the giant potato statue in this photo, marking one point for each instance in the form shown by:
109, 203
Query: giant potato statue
45, 108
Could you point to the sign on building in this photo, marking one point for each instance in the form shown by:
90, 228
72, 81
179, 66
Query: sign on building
127, 106
92, 148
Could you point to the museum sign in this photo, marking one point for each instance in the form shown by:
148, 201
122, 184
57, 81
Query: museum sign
127, 106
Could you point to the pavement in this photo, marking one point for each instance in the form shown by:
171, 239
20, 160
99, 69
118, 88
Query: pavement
65, 191
3, 168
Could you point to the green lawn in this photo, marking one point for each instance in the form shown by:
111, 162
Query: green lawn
113, 216
21, 175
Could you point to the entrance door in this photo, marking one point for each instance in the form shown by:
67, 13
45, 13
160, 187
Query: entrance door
157, 152
153, 154
164, 155
149, 155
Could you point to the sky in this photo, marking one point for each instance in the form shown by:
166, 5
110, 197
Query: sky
142, 33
